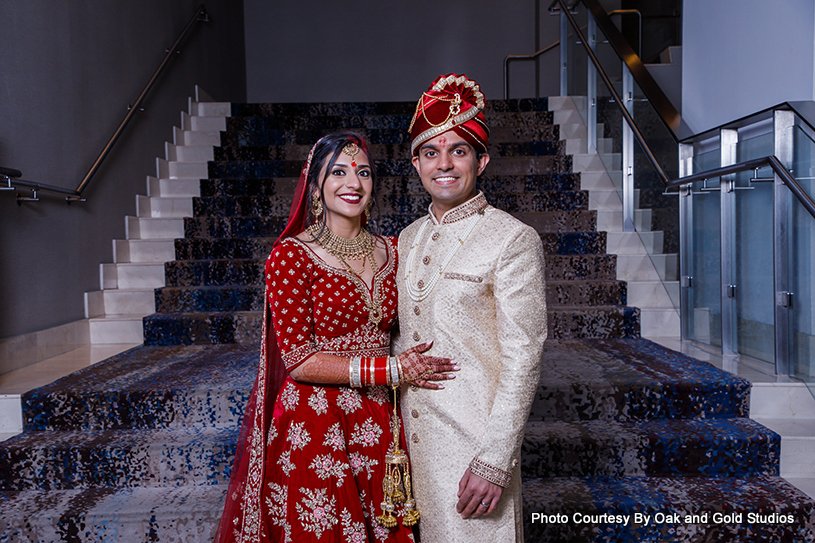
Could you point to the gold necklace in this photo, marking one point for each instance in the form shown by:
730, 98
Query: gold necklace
339, 247
362, 245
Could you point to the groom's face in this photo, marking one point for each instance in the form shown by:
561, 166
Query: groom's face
449, 168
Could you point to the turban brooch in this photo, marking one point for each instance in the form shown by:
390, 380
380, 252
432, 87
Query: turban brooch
455, 103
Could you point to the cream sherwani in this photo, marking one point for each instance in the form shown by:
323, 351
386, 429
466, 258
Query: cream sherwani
487, 311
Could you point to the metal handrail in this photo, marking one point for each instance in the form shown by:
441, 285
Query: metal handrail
663, 106
626, 115
531, 56
200, 15
770, 160
638, 13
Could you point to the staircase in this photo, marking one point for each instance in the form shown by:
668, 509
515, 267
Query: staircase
138, 448
126, 290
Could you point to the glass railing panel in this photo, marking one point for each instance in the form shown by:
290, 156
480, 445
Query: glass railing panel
705, 292
705, 265
802, 244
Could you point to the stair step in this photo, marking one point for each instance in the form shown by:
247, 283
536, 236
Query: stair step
576, 293
652, 294
203, 328
189, 153
154, 228
143, 250
659, 267
149, 387
173, 188
632, 379
211, 109
136, 275
386, 168
202, 124
626, 243
596, 322
163, 207
572, 508
189, 513
232, 298
250, 271
735, 447
119, 302
177, 170
189, 137
660, 322
121, 458
116, 329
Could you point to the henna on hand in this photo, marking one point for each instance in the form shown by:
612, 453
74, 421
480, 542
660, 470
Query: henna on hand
420, 370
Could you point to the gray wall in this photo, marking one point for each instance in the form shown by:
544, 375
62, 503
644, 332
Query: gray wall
741, 56
389, 51
67, 72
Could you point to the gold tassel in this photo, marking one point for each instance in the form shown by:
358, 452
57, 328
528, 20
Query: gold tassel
396, 484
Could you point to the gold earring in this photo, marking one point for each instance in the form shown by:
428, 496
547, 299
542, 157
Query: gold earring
316, 205
367, 210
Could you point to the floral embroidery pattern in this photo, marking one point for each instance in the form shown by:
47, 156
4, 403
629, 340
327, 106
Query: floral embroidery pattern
353, 532
272, 434
285, 462
298, 435
377, 394
318, 401
289, 397
317, 512
361, 463
276, 502
349, 400
325, 466
366, 435
335, 437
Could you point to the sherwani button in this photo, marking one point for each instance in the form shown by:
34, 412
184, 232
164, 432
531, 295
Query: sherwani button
416, 336
414, 414
420, 284
426, 260
414, 438
416, 310
435, 236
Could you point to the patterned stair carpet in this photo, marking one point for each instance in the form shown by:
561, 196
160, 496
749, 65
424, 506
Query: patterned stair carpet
139, 447
214, 289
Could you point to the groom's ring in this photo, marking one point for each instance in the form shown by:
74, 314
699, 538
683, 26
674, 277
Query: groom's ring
484, 504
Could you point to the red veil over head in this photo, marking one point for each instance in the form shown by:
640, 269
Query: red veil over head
242, 518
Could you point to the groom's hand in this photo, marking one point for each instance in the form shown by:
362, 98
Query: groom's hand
473, 493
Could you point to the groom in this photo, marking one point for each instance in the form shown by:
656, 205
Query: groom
471, 280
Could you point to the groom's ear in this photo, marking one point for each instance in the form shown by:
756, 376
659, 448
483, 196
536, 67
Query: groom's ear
483, 160
415, 161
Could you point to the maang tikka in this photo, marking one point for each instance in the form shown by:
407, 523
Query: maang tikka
352, 150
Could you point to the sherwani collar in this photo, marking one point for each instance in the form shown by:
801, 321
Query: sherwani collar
467, 209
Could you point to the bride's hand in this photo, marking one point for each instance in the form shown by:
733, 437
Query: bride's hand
421, 370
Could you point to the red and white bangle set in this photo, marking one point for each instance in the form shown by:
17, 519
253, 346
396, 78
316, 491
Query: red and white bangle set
369, 372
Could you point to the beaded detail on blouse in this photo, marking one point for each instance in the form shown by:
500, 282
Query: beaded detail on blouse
318, 308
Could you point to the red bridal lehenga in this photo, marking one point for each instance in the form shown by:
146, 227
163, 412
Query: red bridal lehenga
312, 466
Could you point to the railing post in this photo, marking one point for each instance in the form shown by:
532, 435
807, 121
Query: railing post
686, 243
628, 152
564, 54
591, 89
728, 139
783, 148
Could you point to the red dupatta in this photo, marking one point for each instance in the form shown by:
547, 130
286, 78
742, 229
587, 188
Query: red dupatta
241, 520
